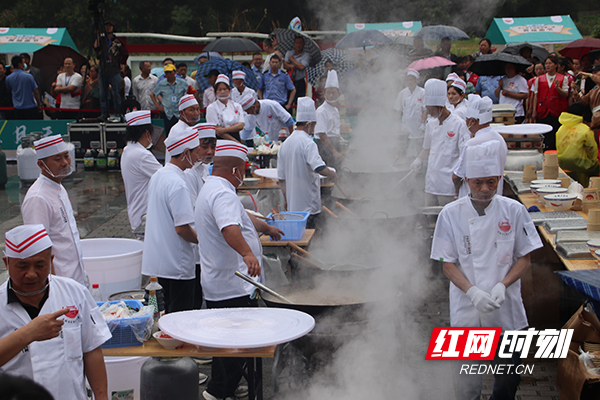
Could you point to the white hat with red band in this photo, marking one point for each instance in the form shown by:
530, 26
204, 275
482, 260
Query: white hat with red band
181, 139
187, 101
49, 146
205, 130
453, 76
231, 148
222, 78
138, 118
412, 72
26, 240
247, 101
459, 84
238, 75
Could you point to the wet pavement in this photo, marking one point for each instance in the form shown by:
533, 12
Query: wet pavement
99, 203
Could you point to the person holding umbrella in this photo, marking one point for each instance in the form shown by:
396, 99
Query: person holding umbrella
227, 115
297, 60
512, 89
445, 48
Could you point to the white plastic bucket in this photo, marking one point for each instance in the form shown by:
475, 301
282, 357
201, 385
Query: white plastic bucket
124, 377
114, 264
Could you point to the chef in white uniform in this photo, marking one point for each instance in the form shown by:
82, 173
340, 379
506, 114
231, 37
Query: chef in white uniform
138, 164
268, 116
47, 203
411, 104
196, 176
225, 114
239, 89
485, 241
445, 136
456, 98
62, 358
228, 241
479, 116
299, 165
189, 115
328, 123
170, 236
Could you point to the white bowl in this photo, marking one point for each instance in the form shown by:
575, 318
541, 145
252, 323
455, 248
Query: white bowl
167, 341
534, 188
251, 181
560, 201
545, 181
593, 245
596, 255
544, 191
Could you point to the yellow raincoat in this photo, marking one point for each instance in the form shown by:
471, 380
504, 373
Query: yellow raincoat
577, 148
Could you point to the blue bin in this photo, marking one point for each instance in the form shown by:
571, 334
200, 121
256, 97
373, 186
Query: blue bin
122, 328
294, 229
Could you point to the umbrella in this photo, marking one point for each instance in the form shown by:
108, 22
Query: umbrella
493, 64
342, 61
363, 38
438, 32
232, 45
50, 57
430, 62
285, 42
209, 55
158, 71
224, 67
538, 52
580, 48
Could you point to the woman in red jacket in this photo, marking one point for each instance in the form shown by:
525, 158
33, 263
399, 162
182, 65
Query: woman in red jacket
551, 92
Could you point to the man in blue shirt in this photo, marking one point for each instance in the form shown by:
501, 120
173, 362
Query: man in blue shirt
275, 84
166, 96
257, 65
486, 86
25, 95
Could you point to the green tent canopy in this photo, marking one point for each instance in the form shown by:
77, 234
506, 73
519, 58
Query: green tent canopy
556, 29
390, 29
28, 40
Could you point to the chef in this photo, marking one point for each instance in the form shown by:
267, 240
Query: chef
485, 242
456, 98
445, 136
239, 89
138, 164
328, 122
411, 104
170, 236
479, 116
299, 165
196, 176
268, 116
47, 203
61, 358
228, 242
225, 114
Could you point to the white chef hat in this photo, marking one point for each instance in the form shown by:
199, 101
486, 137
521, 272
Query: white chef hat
436, 93
231, 148
26, 240
473, 106
238, 75
222, 78
187, 101
138, 118
451, 77
49, 146
412, 72
482, 160
485, 110
247, 101
181, 139
459, 84
306, 111
332, 80
205, 130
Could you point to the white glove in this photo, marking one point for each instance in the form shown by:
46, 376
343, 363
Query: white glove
482, 301
422, 127
416, 165
498, 293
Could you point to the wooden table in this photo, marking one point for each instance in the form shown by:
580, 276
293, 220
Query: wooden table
266, 183
305, 241
254, 373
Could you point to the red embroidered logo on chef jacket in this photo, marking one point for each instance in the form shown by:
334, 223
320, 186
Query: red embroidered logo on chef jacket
504, 226
419, 99
236, 111
450, 134
269, 116
73, 311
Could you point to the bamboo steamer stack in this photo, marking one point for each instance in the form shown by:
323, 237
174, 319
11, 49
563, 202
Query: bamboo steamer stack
529, 173
550, 166
594, 182
590, 201
593, 219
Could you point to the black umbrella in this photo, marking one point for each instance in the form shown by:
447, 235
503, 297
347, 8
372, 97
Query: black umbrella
438, 32
232, 45
364, 38
493, 64
50, 57
538, 51
285, 42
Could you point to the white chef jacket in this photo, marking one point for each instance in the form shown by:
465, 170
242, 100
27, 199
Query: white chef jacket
218, 207
328, 120
137, 167
237, 96
47, 203
481, 136
57, 364
460, 110
297, 161
166, 254
270, 119
412, 106
445, 143
224, 115
209, 97
194, 178
485, 248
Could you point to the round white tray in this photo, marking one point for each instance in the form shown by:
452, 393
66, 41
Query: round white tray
269, 173
237, 328
524, 129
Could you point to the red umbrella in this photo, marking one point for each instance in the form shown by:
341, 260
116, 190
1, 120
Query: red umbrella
430, 62
580, 47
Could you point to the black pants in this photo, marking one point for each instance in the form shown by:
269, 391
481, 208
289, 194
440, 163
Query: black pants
28, 113
169, 122
182, 295
300, 85
326, 154
550, 137
227, 371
